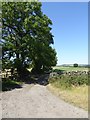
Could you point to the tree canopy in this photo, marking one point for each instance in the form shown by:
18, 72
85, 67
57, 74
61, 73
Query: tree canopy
27, 37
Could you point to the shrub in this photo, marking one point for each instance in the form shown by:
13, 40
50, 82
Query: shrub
67, 81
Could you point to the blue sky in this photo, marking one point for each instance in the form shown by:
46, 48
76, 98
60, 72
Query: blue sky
70, 30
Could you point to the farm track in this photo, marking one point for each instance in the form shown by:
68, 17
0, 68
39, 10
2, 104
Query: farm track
37, 102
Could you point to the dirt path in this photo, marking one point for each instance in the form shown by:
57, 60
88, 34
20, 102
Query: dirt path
37, 102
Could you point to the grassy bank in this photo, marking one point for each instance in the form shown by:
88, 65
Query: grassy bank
8, 84
77, 96
73, 88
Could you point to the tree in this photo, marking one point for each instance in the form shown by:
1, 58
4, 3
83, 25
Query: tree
75, 65
26, 37
44, 59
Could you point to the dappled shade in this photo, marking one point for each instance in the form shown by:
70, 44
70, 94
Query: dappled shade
9, 85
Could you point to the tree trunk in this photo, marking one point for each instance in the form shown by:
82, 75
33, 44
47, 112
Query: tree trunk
37, 67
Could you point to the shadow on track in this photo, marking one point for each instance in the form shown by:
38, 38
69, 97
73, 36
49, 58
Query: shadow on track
10, 84
15, 81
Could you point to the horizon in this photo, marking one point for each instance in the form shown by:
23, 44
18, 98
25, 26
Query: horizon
73, 63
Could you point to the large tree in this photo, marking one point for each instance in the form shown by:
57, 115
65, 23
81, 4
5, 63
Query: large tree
26, 37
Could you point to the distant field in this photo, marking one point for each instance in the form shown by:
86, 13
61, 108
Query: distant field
71, 68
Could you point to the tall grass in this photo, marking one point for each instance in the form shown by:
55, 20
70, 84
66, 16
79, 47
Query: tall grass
71, 88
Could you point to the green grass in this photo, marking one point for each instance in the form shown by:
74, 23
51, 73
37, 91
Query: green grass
67, 81
72, 88
71, 68
8, 84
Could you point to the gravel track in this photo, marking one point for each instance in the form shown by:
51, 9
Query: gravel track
37, 102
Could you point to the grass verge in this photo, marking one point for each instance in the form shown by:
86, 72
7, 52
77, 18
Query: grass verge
78, 96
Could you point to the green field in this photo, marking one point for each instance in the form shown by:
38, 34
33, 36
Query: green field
71, 68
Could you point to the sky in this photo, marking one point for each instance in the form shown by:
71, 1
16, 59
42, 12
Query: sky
70, 30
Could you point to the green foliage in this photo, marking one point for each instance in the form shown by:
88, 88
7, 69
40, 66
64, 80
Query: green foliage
75, 65
27, 37
67, 81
